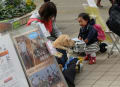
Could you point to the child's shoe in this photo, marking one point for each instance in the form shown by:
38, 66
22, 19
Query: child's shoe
91, 61
94, 59
87, 57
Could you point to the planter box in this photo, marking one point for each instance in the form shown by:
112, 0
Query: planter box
20, 21
5, 27
14, 23
17, 22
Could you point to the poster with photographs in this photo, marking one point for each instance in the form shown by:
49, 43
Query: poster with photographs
11, 71
40, 66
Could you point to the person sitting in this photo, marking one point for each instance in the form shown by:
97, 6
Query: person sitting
46, 15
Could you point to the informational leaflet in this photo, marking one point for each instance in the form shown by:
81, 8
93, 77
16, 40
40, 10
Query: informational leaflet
40, 65
11, 71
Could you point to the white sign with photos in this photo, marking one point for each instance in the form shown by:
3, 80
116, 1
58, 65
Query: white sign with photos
11, 71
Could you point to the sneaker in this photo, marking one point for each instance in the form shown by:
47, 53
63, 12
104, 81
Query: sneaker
94, 60
91, 61
87, 57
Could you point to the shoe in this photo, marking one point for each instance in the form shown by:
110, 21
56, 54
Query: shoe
87, 57
91, 61
100, 6
94, 59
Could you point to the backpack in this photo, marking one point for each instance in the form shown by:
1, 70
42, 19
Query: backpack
103, 47
101, 34
113, 21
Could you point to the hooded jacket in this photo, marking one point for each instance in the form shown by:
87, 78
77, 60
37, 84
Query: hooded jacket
88, 32
50, 25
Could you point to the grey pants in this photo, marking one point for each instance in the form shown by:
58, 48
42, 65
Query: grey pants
93, 48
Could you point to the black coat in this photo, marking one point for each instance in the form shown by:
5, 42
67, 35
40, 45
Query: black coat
113, 21
88, 32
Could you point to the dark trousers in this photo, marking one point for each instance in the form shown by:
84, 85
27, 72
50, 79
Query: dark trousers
63, 59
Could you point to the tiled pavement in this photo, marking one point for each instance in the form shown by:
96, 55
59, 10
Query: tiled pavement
105, 73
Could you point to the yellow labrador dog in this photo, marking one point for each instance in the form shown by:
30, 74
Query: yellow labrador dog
63, 42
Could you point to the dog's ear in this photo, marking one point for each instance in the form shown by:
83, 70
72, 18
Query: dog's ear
66, 40
71, 42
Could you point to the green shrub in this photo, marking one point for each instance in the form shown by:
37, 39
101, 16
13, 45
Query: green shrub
14, 8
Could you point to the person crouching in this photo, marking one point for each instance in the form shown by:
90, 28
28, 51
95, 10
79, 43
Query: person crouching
89, 35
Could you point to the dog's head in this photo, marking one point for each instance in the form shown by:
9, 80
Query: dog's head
63, 40
68, 42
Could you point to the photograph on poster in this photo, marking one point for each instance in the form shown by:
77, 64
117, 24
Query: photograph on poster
47, 77
32, 49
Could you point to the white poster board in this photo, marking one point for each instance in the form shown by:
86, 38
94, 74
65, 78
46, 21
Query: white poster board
11, 71
41, 67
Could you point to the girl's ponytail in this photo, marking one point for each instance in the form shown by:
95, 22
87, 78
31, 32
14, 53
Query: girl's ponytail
92, 21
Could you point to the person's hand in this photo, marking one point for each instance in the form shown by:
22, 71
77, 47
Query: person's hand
80, 38
86, 40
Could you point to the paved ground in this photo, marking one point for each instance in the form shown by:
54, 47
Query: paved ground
68, 11
106, 72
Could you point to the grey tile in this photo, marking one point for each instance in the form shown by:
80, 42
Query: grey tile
112, 73
99, 86
83, 85
114, 69
87, 82
118, 78
107, 78
114, 86
116, 83
103, 83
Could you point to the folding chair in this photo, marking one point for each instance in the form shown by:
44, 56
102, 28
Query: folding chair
115, 39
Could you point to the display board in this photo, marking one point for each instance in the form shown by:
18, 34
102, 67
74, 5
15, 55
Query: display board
11, 71
41, 67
